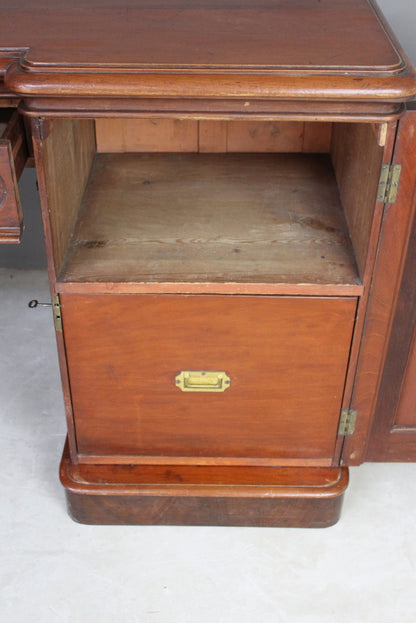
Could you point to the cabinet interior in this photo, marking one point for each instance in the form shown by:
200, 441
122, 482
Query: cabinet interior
186, 201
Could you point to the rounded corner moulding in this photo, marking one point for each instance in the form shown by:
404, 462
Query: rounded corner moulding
82, 82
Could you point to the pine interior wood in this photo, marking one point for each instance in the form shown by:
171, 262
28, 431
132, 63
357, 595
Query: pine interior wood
210, 136
211, 218
286, 356
357, 158
137, 135
66, 155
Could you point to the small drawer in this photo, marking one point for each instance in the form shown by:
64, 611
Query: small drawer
13, 156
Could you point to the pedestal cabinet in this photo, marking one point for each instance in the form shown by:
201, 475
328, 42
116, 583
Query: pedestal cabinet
227, 197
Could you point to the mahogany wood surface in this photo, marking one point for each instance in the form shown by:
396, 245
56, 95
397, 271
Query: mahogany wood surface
13, 156
385, 290
393, 435
406, 409
331, 50
199, 108
364, 337
220, 33
173, 261
235, 496
286, 356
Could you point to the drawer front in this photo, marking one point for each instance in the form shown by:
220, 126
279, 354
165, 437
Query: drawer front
13, 156
286, 359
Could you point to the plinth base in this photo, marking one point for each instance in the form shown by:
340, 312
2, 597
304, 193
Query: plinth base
203, 495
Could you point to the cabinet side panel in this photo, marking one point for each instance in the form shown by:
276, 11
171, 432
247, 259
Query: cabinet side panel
357, 160
66, 156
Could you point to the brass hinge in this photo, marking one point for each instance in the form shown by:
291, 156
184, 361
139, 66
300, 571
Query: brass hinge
389, 183
347, 422
56, 307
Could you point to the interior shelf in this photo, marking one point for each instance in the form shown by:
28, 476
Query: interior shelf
212, 218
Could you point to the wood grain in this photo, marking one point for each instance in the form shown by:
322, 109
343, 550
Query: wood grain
232, 80
205, 136
66, 156
172, 495
13, 156
357, 160
406, 409
138, 135
213, 136
375, 415
206, 34
393, 435
218, 108
211, 218
325, 51
287, 359
249, 136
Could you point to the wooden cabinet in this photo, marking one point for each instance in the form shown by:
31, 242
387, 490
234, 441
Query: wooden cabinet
218, 213
393, 436
125, 352
13, 156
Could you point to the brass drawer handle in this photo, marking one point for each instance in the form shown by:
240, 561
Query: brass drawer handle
202, 381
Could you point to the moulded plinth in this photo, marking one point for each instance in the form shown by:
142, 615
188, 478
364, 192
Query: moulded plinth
203, 495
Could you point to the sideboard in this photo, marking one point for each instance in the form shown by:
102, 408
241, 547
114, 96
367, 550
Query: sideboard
228, 198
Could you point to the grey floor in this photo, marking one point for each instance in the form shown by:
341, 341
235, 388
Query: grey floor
54, 570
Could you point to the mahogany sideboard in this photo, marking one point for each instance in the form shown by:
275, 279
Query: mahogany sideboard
228, 198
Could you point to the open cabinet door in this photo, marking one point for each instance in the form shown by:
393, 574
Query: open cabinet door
393, 433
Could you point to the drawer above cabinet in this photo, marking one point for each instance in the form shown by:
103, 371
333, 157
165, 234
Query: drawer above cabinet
13, 156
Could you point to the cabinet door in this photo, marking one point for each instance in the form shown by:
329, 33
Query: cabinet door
393, 435
285, 357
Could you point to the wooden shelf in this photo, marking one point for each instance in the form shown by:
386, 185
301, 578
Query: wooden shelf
257, 220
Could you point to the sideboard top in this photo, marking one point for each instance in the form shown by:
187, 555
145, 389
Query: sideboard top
308, 49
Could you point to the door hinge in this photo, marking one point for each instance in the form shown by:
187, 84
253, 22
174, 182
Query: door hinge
56, 307
389, 183
347, 422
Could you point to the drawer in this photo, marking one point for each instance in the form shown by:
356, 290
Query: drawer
13, 156
285, 358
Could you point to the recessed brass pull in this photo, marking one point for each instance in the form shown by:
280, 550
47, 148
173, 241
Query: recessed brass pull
202, 381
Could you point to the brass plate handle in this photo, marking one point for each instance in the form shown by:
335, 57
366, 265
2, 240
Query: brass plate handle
202, 381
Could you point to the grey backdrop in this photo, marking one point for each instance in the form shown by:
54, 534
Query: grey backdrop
401, 15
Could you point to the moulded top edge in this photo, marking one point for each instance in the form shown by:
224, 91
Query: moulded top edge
236, 39
277, 35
